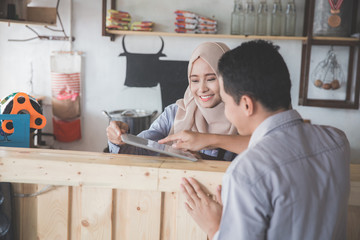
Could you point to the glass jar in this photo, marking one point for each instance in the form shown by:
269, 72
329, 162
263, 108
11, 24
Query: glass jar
237, 18
250, 17
262, 15
290, 18
276, 17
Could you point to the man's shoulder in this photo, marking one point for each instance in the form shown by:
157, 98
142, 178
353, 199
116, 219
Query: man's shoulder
281, 148
323, 137
301, 139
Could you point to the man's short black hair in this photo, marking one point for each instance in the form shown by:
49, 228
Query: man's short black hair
257, 69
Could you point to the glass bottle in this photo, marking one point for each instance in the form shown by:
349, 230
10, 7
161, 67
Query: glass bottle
276, 16
237, 18
262, 15
250, 17
290, 18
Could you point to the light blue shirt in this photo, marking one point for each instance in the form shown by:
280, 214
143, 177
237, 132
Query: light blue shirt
160, 129
291, 183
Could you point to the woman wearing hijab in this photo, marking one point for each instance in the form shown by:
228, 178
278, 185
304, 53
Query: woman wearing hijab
200, 111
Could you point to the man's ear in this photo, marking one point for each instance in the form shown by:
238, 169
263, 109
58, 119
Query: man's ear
247, 105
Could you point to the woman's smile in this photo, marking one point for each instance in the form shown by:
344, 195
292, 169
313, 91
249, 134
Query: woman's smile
206, 98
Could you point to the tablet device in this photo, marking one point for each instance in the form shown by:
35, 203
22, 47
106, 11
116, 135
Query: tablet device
156, 147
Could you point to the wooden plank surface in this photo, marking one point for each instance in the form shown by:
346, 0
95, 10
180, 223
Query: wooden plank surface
75, 213
353, 227
25, 212
354, 198
75, 168
96, 212
41, 14
169, 180
138, 215
186, 227
115, 196
168, 217
355, 172
53, 210
208, 173
196, 35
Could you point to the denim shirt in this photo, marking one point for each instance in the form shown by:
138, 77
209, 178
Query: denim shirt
291, 183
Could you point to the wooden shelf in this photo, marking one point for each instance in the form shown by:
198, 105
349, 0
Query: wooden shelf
121, 32
9, 21
170, 34
45, 16
350, 39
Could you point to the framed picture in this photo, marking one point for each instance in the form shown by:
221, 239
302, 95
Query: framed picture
330, 76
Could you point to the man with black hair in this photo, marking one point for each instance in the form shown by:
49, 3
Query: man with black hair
293, 180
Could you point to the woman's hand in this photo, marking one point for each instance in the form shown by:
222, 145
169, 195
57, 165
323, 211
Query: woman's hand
202, 207
115, 130
187, 140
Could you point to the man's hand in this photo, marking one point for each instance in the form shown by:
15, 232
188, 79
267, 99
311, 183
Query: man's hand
195, 141
203, 209
115, 130
187, 140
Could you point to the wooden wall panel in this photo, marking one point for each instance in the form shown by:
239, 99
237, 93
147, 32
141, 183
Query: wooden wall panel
138, 215
354, 198
186, 227
26, 212
168, 219
53, 210
75, 219
169, 180
115, 197
96, 207
353, 228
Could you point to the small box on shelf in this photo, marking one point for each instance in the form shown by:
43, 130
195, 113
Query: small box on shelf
41, 15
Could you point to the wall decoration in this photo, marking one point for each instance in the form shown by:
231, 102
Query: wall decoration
333, 18
330, 78
148, 70
327, 77
66, 95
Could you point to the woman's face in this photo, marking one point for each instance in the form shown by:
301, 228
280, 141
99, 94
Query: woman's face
204, 84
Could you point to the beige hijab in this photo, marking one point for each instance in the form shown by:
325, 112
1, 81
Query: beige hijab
190, 115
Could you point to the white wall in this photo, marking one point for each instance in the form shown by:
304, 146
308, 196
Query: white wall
104, 73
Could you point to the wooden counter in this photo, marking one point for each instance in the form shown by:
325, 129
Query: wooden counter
111, 196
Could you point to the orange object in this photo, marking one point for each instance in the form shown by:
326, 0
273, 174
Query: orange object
22, 104
67, 131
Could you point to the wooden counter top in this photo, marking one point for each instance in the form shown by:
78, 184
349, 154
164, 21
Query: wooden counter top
79, 168
115, 196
